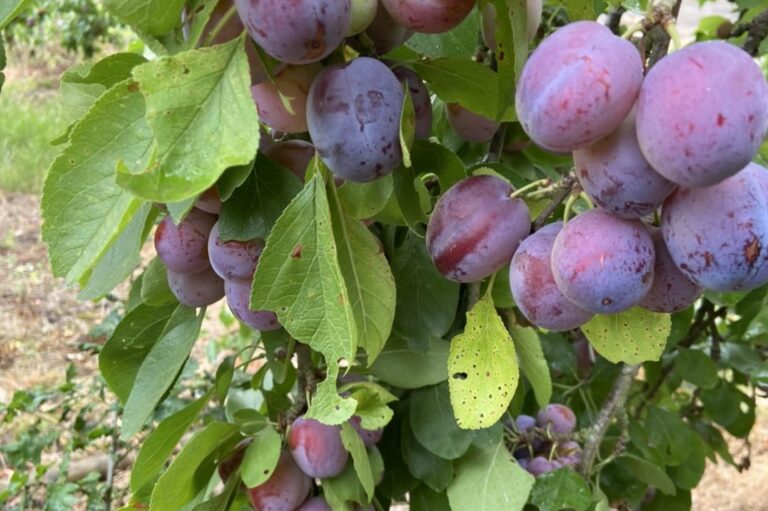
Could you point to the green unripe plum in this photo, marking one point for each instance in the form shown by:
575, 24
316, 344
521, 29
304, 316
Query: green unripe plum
361, 16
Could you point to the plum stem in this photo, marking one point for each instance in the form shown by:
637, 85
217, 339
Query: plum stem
671, 27
569, 207
530, 186
219, 26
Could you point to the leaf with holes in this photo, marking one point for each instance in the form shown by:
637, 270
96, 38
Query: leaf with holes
633, 336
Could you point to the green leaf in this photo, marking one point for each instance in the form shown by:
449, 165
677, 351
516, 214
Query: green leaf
154, 285
666, 435
680, 502
159, 445
160, 368
203, 118
408, 199
459, 42
84, 211
222, 501
426, 301
648, 473
254, 207
512, 35
634, 336
435, 472
730, 407
561, 489
2, 63
489, 481
532, 362
122, 257
403, 367
354, 444
407, 126
688, 474
130, 343
471, 84
482, 368
328, 406
580, 9
424, 499
433, 158
365, 200
299, 277
190, 471
155, 17
696, 367
260, 458
372, 400
433, 424
10, 9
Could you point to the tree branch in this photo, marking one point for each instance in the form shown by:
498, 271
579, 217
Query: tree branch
614, 19
609, 410
306, 382
566, 186
757, 31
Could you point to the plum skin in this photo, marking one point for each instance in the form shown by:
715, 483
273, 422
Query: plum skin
198, 289
309, 30
718, 235
422, 103
559, 418
470, 126
369, 437
602, 263
702, 113
238, 295
317, 448
617, 177
314, 504
183, 248
294, 83
233, 259
285, 489
294, 155
534, 288
385, 33
428, 16
578, 86
354, 119
672, 291
475, 228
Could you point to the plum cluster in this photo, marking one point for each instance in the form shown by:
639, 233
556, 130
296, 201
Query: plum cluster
543, 444
314, 451
679, 140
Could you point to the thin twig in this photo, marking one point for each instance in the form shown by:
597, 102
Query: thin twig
306, 382
757, 31
614, 19
567, 184
497, 145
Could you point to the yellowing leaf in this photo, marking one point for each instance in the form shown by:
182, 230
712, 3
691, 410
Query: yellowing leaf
633, 336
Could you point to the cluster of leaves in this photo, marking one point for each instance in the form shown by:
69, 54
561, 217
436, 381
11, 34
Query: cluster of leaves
442, 368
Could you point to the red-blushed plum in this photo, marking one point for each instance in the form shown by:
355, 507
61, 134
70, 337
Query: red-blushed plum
540, 465
578, 86
385, 33
476, 227
209, 201
488, 28
294, 155
603, 263
533, 285
672, 291
296, 32
354, 119
234, 259
231, 463
429, 16
617, 177
183, 248
422, 103
559, 418
369, 436
293, 82
239, 297
470, 126
718, 235
317, 448
315, 504
361, 15
702, 113
285, 489
198, 289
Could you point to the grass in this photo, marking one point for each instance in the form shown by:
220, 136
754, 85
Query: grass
30, 117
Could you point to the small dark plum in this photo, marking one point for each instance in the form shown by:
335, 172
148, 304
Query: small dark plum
422, 103
476, 227
429, 16
233, 260
317, 448
183, 248
285, 489
385, 33
534, 288
525, 423
559, 418
470, 126
293, 83
209, 201
294, 155
198, 289
315, 504
369, 437
540, 465
672, 291
239, 297
602, 263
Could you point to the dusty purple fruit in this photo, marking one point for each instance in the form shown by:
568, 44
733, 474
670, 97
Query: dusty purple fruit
183, 248
534, 288
285, 489
296, 32
616, 175
470, 126
315, 504
229, 465
578, 86
369, 437
525, 423
602, 263
209, 201
198, 289
385, 33
317, 448
293, 83
238, 297
672, 291
559, 418
422, 103
294, 155
428, 16
475, 228
233, 259
541, 465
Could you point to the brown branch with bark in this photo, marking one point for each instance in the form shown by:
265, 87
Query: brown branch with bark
756, 30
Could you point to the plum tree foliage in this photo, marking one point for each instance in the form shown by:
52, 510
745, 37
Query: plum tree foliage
425, 216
